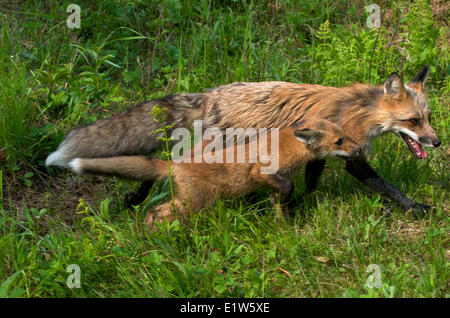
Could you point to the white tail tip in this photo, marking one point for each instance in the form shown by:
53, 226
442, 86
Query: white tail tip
75, 166
57, 158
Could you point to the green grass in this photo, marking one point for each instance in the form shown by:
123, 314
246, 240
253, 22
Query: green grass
54, 79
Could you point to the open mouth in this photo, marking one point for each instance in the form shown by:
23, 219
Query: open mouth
414, 146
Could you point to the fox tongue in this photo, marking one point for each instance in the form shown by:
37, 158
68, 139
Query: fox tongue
415, 147
423, 153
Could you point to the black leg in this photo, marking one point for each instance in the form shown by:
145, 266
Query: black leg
361, 170
283, 190
313, 171
286, 189
312, 174
136, 198
283, 186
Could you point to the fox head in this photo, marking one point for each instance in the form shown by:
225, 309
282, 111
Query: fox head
407, 114
325, 139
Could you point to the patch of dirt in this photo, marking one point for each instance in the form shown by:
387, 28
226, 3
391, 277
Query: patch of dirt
60, 196
408, 229
440, 8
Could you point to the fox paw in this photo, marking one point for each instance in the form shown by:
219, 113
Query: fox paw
419, 210
387, 211
150, 221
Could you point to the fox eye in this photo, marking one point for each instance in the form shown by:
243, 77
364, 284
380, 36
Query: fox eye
414, 121
339, 142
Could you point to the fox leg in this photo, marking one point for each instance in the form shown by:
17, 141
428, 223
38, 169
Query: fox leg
165, 212
283, 187
136, 198
313, 171
362, 171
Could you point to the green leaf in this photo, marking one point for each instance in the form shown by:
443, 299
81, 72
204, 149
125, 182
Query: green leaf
28, 175
16, 293
104, 209
112, 64
220, 284
4, 287
158, 197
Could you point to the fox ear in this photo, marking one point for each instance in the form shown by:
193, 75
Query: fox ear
308, 137
418, 81
393, 87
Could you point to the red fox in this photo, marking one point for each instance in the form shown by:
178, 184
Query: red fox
199, 184
362, 111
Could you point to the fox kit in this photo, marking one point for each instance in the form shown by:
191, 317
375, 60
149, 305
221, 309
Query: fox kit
199, 184
362, 111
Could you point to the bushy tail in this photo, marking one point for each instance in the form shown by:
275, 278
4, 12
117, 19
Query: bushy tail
127, 167
127, 133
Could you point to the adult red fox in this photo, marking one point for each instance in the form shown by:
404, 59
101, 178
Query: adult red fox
198, 184
363, 111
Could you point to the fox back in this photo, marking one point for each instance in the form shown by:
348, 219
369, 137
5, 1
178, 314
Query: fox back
363, 111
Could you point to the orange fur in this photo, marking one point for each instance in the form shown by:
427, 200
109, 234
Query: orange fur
199, 184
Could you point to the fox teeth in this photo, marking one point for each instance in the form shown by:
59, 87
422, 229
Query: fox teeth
415, 147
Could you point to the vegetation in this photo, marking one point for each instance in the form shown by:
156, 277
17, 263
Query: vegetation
54, 79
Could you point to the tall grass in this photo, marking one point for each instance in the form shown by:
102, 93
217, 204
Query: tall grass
15, 106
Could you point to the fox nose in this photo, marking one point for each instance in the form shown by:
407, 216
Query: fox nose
436, 143
358, 151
